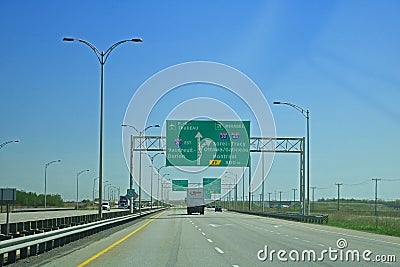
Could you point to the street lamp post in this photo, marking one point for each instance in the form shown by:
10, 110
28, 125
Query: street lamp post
45, 179
158, 183
94, 186
77, 187
306, 114
105, 185
141, 133
151, 181
102, 57
162, 190
235, 186
8, 142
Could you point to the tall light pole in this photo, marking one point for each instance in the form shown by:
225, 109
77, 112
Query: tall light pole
105, 185
8, 142
141, 133
102, 57
94, 186
162, 189
151, 181
45, 179
306, 114
77, 187
235, 186
158, 183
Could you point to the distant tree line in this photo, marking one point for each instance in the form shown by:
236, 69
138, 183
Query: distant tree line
352, 200
30, 199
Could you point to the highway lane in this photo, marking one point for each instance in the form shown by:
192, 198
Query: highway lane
173, 238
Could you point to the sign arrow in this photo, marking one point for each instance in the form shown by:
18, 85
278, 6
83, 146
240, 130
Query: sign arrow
198, 137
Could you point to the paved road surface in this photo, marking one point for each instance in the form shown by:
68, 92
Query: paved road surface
173, 238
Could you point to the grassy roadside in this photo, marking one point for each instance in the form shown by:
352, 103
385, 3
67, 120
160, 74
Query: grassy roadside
362, 222
355, 216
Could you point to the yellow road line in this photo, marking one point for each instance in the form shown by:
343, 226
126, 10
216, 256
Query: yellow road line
119, 241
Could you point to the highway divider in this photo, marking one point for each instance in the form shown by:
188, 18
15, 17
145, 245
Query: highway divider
19, 229
39, 243
288, 216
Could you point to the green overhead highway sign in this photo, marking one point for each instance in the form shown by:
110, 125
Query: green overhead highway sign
211, 186
179, 185
208, 143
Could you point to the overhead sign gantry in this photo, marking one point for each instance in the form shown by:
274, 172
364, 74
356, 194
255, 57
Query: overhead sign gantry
208, 143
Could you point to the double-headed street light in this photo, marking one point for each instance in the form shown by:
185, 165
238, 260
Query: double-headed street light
162, 188
45, 178
102, 57
306, 114
151, 181
235, 186
141, 133
158, 182
77, 187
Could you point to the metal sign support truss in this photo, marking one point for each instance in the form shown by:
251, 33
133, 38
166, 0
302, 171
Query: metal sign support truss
257, 144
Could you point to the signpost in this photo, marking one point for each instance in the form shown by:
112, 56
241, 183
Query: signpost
211, 186
208, 143
179, 185
8, 194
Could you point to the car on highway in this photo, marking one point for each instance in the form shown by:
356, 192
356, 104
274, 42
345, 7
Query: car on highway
105, 205
218, 208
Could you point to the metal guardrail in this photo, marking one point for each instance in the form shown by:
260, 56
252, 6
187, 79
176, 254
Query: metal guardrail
288, 216
41, 209
35, 244
17, 229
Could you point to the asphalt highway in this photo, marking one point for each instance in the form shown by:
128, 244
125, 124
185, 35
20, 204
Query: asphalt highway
172, 238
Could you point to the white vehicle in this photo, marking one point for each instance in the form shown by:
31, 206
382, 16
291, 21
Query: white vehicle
105, 205
195, 200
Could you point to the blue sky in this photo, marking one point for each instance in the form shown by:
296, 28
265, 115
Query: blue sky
339, 59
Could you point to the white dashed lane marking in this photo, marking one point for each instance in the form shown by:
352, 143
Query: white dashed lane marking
219, 250
209, 240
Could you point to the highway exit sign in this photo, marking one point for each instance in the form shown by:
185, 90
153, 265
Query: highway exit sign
179, 185
208, 143
211, 186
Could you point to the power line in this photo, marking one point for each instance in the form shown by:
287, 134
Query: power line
390, 180
356, 184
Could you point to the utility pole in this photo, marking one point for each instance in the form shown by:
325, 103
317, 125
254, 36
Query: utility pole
269, 200
280, 199
338, 196
313, 188
294, 198
376, 201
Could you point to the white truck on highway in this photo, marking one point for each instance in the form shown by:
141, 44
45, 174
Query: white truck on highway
195, 200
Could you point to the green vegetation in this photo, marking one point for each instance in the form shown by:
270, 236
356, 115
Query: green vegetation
352, 214
360, 215
386, 223
30, 199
